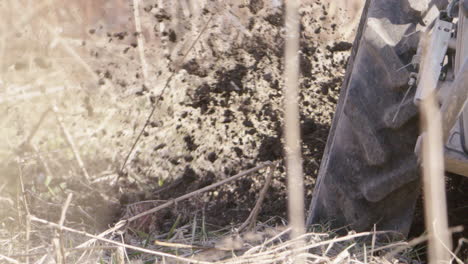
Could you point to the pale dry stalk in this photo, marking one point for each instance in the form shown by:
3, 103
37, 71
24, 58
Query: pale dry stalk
435, 203
164, 37
281, 252
26, 208
60, 254
292, 125
71, 143
9, 260
2, 47
161, 93
250, 222
196, 7
42, 161
36, 126
122, 223
140, 249
140, 41
266, 243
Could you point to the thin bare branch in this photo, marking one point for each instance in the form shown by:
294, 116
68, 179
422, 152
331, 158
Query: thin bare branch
122, 223
60, 254
292, 125
434, 134
8, 259
161, 254
435, 203
65, 209
140, 41
416, 241
158, 98
70, 142
36, 127
250, 221
26, 208
42, 161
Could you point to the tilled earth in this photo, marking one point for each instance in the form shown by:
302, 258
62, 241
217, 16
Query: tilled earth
222, 111
217, 66
218, 69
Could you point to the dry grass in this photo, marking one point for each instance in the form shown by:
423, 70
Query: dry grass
26, 236
292, 134
266, 244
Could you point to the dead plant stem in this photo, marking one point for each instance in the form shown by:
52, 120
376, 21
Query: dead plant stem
36, 127
122, 223
8, 259
71, 230
70, 142
60, 254
140, 41
435, 204
42, 161
277, 253
250, 221
158, 98
416, 241
26, 209
292, 125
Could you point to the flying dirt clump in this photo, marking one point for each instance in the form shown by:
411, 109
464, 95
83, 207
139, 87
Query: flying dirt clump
221, 112
231, 117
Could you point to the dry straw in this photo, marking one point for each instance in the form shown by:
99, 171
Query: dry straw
292, 135
291, 245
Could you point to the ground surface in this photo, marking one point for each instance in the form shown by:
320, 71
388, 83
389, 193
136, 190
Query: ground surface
221, 112
218, 69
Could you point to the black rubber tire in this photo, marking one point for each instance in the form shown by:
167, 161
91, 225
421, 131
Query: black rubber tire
369, 172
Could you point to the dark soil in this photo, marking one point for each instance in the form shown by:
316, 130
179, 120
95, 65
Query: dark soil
231, 117
255, 6
221, 114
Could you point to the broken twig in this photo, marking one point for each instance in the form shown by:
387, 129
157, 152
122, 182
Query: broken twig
123, 223
158, 98
250, 221
71, 230
70, 142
